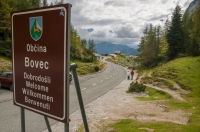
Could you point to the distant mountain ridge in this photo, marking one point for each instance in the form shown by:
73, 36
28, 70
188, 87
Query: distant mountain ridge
109, 48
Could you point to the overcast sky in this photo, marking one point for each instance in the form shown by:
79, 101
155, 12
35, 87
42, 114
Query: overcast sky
119, 21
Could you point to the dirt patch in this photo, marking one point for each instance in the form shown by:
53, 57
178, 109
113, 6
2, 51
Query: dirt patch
117, 104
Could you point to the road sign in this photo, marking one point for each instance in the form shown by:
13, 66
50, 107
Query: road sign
40, 47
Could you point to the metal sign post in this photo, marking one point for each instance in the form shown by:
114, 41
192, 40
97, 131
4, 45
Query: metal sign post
78, 91
22, 119
47, 123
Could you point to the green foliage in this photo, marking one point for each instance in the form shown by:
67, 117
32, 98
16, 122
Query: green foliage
5, 30
162, 83
180, 37
154, 94
88, 67
195, 34
91, 49
184, 71
136, 87
124, 60
4, 18
163, 47
128, 125
81, 128
78, 49
44, 3
191, 32
5, 65
175, 35
36, 3
150, 46
96, 68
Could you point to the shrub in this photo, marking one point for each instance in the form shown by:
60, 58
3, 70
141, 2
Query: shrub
136, 87
96, 68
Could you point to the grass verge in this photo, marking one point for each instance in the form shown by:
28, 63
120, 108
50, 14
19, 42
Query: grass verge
128, 125
154, 94
88, 67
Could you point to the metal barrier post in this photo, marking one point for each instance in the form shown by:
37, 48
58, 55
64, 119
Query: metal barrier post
78, 91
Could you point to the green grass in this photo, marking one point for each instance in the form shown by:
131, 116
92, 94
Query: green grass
123, 60
158, 82
184, 71
5, 64
128, 125
88, 67
81, 128
154, 94
169, 84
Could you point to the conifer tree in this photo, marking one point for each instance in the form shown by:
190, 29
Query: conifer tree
5, 28
175, 34
44, 3
149, 46
36, 3
91, 48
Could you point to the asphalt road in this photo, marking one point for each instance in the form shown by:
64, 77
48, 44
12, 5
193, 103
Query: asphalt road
92, 86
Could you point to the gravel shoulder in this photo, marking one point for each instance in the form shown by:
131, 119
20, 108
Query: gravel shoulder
117, 104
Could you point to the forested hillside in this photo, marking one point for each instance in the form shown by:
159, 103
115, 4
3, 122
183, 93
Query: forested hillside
179, 37
77, 45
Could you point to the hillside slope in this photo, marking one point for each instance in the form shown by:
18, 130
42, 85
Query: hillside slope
5, 65
185, 71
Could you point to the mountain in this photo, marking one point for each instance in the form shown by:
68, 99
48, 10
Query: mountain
192, 7
109, 48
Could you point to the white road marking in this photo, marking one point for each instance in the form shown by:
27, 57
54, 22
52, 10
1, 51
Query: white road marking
94, 84
83, 88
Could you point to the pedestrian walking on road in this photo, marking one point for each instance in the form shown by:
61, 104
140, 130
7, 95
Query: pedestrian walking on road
132, 73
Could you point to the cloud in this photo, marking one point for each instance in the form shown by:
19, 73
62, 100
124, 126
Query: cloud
114, 3
164, 1
99, 33
104, 22
186, 4
119, 21
126, 31
158, 17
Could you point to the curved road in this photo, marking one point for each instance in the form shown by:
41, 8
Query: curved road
92, 86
